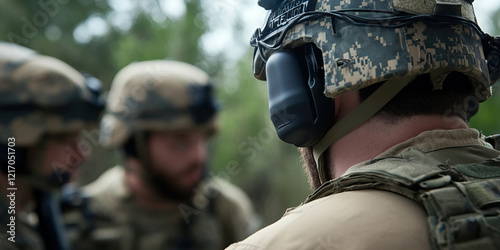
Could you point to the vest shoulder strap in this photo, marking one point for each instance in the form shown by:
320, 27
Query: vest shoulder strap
462, 201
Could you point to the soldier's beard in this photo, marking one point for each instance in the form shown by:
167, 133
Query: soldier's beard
309, 166
167, 188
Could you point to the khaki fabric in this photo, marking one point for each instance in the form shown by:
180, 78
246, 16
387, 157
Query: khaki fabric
219, 215
365, 219
434, 141
370, 219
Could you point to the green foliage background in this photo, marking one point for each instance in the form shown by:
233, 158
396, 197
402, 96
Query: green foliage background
487, 120
247, 151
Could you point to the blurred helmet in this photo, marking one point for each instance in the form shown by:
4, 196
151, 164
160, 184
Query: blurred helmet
159, 95
362, 42
42, 95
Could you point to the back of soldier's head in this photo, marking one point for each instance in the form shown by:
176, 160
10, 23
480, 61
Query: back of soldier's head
335, 47
312, 51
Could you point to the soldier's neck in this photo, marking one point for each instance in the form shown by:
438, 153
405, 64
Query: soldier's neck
377, 135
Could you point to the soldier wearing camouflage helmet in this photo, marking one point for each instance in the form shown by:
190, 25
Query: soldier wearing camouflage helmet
44, 104
161, 113
378, 94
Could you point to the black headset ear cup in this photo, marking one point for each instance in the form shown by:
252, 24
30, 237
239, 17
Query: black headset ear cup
300, 112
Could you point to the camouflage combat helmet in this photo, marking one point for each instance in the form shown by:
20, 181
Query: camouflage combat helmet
159, 95
362, 42
42, 95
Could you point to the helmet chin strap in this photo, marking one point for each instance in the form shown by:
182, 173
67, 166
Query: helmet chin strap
358, 116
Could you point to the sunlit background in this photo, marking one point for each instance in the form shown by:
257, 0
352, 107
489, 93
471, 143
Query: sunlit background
102, 36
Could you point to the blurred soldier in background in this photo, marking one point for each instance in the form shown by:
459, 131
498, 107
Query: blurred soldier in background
378, 94
44, 104
162, 115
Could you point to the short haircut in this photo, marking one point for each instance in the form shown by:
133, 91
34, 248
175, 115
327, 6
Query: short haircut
418, 98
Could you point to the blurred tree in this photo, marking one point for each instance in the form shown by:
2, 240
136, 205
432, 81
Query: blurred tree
48, 26
93, 36
487, 119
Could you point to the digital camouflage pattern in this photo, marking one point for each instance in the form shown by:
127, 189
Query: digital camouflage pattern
158, 95
357, 55
41, 95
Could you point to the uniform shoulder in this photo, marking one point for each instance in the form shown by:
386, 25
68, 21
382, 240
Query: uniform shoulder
234, 206
227, 191
111, 181
365, 219
107, 191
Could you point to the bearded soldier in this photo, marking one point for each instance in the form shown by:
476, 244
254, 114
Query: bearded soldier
378, 94
161, 114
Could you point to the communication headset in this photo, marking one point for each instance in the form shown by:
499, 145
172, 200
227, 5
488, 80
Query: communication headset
300, 112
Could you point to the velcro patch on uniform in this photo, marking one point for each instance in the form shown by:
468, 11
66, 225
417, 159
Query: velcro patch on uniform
484, 193
481, 171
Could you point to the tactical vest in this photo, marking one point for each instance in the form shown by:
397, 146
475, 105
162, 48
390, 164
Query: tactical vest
462, 201
88, 230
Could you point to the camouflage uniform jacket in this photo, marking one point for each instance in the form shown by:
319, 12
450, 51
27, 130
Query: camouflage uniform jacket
220, 215
356, 211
